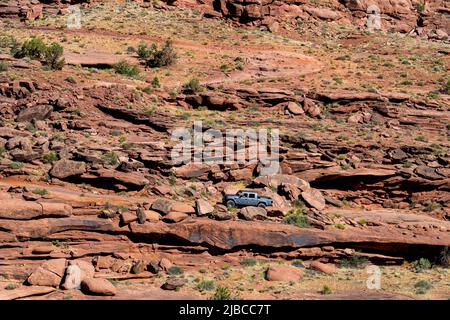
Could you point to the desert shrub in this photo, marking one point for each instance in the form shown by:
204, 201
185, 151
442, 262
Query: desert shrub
443, 258
16, 165
36, 49
4, 66
53, 57
71, 80
2, 151
326, 290
156, 83
175, 270
248, 262
421, 265
206, 285
30, 127
124, 68
10, 286
40, 191
355, 262
144, 52
422, 286
172, 180
50, 157
165, 56
222, 293
194, 85
111, 158
33, 48
297, 219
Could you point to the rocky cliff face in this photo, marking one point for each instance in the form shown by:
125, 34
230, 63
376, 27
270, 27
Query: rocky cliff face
423, 18
400, 15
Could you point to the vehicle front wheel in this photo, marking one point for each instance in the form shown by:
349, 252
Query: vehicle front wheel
261, 205
231, 203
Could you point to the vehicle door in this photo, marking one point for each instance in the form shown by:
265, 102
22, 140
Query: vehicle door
243, 199
252, 199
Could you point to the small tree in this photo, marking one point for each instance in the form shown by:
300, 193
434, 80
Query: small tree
53, 57
154, 57
34, 48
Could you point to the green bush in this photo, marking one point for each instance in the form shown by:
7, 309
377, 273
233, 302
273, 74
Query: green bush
175, 270
326, 290
354, 262
16, 165
443, 257
2, 151
248, 262
4, 66
297, 219
421, 265
156, 83
156, 58
50, 157
194, 85
33, 48
422, 286
206, 285
222, 293
40, 191
53, 57
124, 68
111, 158
36, 49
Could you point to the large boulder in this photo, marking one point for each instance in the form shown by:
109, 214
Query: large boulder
40, 112
283, 273
98, 286
162, 205
49, 274
66, 168
253, 213
314, 198
204, 207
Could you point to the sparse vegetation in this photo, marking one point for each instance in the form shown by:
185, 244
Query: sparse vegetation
50, 157
422, 286
124, 68
175, 270
206, 285
110, 158
421, 265
4, 66
16, 165
222, 293
194, 85
249, 262
297, 218
154, 57
41, 191
325, 290
354, 262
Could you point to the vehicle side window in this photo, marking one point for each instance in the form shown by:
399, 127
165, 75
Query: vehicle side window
251, 195
245, 195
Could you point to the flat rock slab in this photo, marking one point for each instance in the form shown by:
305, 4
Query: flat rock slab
24, 292
96, 59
